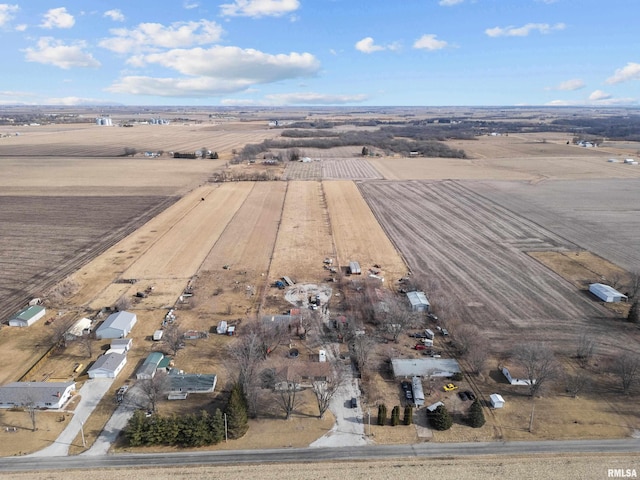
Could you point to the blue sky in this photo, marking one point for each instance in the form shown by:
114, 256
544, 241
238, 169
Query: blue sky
320, 52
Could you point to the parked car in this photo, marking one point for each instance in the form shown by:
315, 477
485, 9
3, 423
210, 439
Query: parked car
470, 394
409, 395
463, 396
419, 346
449, 387
445, 332
433, 317
354, 402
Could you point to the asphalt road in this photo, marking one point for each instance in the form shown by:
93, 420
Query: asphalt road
424, 450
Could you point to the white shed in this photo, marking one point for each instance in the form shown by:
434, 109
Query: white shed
81, 327
496, 400
419, 301
27, 316
117, 325
107, 366
606, 293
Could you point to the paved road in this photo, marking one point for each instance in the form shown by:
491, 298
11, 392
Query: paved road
90, 395
425, 450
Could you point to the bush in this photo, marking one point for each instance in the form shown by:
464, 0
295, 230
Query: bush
382, 415
475, 418
440, 419
457, 377
395, 416
408, 415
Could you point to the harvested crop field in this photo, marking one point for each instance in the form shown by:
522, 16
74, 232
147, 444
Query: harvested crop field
474, 250
348, 169
303, 170
599, 215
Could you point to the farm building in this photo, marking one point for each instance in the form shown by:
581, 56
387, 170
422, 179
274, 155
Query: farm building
496, 400
117, 325
124, 344
424, 367
432, 408
514, 380
182, 384
419, 302
606, 293
154, 362
108, 365
354, 268
41, 394
78, 329
222, 327
27, 316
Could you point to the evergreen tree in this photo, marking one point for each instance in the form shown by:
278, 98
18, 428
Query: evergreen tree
476, 417
134, 432
237, 417
365, 151
382, 415
634, 312
408, 415
395, 416
440, 419
216, 426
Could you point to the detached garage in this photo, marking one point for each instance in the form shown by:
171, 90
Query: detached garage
108, 366
117, 325
606, 293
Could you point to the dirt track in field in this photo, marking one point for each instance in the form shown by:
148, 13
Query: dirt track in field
473, 253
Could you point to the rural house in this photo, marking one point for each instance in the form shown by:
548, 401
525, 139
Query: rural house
182, 384
154, 362
27, 316
424, 367
514, 380
606, 293
117, 325
108, 365
39, 394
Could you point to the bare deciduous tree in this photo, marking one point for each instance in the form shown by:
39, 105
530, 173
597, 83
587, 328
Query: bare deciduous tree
476, 357
362, 346
123, 303
394, 318
245, 357
324, 391
86, 343
465, 337
154, 388
577, 383
585, 350
286, 392
626, 366
538, 363
30, 407
58, 337
173, 338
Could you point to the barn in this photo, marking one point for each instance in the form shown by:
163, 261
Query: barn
108, 365
418, 301
27, 316
117, 325
606, 293
41, 394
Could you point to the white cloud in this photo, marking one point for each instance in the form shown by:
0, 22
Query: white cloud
115, 15
429, 42
569, 85
296, 99
449, 3
631, 71
259, 8
366, 45
523, 31
191, 6
152, 35
7, 13
58, 18
235, 63
21, 28
598, 95
71, 101
54, 52
215, 71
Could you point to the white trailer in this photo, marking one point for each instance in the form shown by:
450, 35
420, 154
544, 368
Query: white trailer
157, 335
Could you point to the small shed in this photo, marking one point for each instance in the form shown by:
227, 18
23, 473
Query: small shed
27, 316
108, 365
496, 400
80, 328
418, 301
122, 344
432, 408
354, 268
117, 325
221, 329
418, 392
607, 293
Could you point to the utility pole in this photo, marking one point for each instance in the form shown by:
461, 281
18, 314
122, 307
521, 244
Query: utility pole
226, 436
533, 407
369, 414
84, 443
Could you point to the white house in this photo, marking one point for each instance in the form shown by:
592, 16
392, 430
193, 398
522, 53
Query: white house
40, 394
606, 293
496, 400
108, 365
117, 325
27, 316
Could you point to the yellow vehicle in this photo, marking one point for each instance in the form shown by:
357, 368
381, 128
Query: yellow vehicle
449, 387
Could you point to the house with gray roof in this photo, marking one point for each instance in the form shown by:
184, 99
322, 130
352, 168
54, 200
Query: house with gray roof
39, 394
424, 367
182, 384
117, 325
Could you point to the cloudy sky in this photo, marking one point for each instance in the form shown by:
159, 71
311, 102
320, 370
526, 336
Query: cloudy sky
320, 52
